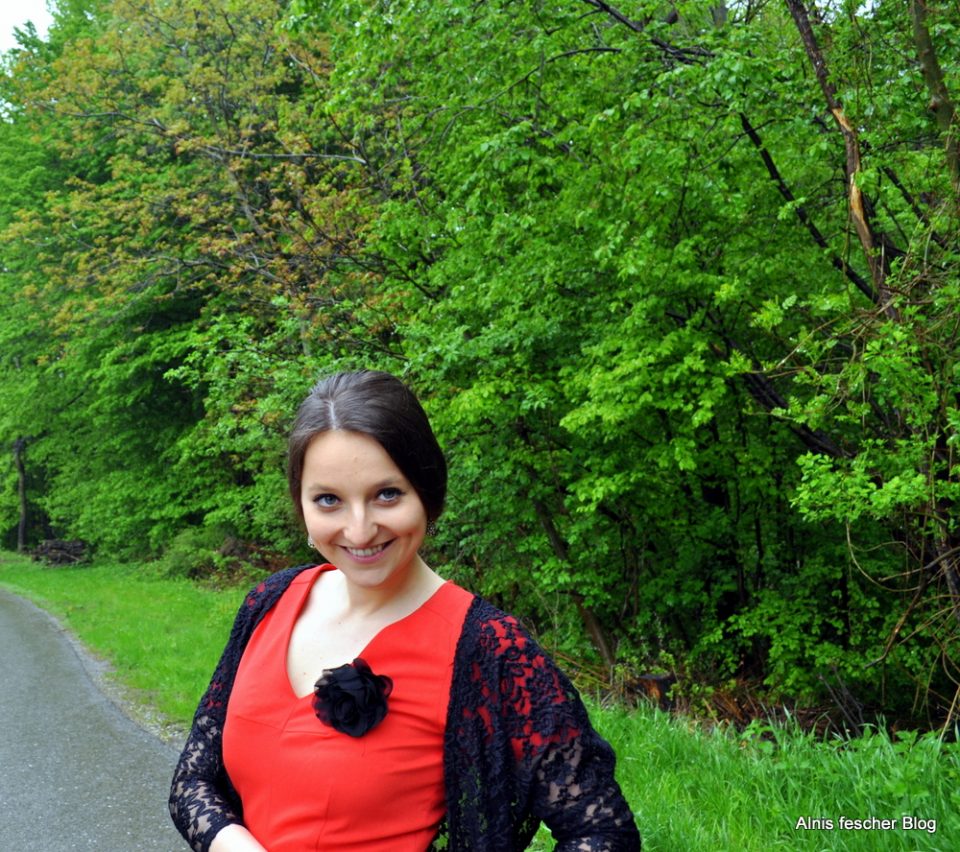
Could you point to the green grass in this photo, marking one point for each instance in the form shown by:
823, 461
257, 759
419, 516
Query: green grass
692, 788
162, 636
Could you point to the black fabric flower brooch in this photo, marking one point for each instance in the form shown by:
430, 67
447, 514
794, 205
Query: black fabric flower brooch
351, 698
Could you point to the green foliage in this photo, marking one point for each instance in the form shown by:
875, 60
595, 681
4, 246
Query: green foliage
696, 391
159, 317
192, 553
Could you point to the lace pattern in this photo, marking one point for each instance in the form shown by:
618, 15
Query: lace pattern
519, 747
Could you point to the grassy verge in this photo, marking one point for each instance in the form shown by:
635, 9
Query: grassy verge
161, 636
692, 789
698, 790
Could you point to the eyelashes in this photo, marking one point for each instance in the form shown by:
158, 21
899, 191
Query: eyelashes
384, 495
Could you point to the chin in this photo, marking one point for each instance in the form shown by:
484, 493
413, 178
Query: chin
373, 576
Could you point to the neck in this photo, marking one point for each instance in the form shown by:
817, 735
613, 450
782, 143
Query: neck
403, 591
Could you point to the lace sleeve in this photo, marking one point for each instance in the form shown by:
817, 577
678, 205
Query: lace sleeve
202, 799
537, 756
199, 802
576, 795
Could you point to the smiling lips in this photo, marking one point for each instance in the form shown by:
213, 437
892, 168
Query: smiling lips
367, 552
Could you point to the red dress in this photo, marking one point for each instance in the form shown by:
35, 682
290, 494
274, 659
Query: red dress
306, 786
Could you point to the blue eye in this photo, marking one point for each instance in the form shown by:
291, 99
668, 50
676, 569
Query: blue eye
326, 501
390, 495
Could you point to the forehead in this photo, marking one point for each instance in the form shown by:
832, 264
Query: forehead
347, 458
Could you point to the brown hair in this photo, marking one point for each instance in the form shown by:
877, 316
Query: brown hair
381, 406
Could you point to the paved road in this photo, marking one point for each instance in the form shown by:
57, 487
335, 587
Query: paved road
75, 773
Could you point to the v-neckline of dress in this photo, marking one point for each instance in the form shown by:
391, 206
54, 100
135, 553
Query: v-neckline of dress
322, 569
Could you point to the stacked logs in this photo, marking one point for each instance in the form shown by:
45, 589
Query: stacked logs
58, 552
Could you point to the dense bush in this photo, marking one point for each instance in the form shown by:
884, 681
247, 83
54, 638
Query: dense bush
678, 291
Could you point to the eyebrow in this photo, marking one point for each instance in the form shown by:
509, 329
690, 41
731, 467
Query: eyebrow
391, 482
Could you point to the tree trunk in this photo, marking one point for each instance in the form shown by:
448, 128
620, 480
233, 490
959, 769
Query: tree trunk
594, 629
19, 447
941, 105
946, 563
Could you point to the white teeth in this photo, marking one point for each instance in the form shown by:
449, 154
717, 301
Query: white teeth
368, 551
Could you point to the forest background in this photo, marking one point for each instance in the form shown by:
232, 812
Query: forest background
677, 284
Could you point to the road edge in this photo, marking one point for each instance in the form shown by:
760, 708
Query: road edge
103, 675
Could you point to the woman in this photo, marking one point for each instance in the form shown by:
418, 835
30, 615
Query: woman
449, 721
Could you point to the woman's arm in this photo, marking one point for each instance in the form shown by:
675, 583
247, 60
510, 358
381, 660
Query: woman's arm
201, 805
235, 838
577, 797
520, 749
202, 800
573, 789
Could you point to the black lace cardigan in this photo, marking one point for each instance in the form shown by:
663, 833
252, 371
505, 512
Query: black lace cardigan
518, 747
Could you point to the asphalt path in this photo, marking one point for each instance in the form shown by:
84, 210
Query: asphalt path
75, 772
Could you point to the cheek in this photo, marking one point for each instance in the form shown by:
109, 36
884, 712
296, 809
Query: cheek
316, 526
415, 524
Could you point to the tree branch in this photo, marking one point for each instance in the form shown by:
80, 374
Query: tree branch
877, 260
838, 262
686, 55
940, 102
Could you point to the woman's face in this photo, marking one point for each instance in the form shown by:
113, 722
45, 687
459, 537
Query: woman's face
360, 510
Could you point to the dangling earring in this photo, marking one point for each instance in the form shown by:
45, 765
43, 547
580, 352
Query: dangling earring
310, 543
431, 527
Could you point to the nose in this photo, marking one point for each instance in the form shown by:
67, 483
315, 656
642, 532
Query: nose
360, 528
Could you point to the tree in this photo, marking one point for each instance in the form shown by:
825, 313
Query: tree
172, 271
674, 282
624, 249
